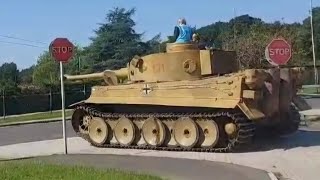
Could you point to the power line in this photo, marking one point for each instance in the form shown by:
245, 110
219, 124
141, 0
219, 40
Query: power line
23, 44
11, 37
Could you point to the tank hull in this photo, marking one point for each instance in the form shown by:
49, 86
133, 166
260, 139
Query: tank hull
215, 114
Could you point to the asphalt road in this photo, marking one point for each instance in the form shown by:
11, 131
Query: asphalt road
168, 168
33, 132
175, 169
314, 102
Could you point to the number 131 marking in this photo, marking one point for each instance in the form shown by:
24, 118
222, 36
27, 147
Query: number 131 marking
158, 68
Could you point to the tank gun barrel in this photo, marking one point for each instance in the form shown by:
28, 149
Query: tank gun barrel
111, 77
84, 76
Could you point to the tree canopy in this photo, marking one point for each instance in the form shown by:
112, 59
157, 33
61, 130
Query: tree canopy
116, 41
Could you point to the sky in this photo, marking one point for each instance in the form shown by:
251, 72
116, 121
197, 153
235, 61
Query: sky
42, 21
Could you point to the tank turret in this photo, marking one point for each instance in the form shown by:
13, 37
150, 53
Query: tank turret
180, 62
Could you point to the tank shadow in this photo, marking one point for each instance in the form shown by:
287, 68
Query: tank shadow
302, 138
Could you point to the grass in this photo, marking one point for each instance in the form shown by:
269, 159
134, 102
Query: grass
18, 170
36, 116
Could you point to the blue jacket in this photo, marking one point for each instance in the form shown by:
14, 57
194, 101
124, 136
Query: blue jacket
185, 34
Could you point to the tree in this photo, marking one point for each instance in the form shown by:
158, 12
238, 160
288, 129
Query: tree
46, 72
249, 36
116, 41
78, 64
215, 33
25, 75
304, 41
9, 78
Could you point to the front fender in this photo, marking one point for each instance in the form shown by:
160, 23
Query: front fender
77, 103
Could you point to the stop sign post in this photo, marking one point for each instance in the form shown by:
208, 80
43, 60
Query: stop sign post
62, 50
278, 52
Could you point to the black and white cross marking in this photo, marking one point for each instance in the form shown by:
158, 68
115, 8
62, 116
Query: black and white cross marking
146, 89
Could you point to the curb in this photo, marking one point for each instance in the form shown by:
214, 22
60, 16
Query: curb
32, 122
25, 157
15, 159
272, 176
35, 113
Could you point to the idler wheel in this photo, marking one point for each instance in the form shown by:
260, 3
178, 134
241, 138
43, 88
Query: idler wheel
84, 124
185, 132
153, 132
98, 131
124, 131
80, 121
210, 133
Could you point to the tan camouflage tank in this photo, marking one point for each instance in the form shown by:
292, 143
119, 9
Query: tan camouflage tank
187, 100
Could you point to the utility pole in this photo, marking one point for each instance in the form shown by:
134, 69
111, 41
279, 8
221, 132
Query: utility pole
235, 35
79, 64
234, 28
3, 104
313, 46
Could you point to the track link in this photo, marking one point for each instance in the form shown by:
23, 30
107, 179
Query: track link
244, 134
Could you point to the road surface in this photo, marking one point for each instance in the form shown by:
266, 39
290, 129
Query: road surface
33, 132
166, 167
314, 102
284, 155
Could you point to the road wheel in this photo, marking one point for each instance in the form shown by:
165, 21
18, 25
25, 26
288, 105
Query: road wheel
210, 133
153, 132
186, 132
125, 131
98, 131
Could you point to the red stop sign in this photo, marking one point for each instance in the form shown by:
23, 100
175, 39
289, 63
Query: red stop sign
61, 49
278, 52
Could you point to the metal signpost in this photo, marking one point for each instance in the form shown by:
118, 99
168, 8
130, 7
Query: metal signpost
62, 50
316, 80
3, 105
278, 52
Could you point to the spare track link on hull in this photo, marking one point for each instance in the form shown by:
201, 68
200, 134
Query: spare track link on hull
244, 136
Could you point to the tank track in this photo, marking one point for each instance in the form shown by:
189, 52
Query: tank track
290, 123
244, 136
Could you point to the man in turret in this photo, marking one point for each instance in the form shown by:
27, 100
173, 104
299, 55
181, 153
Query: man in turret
183, 32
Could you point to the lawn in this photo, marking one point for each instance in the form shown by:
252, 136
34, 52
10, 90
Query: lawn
37, 116
20, 170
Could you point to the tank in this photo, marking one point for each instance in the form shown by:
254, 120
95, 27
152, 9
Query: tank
187, 99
